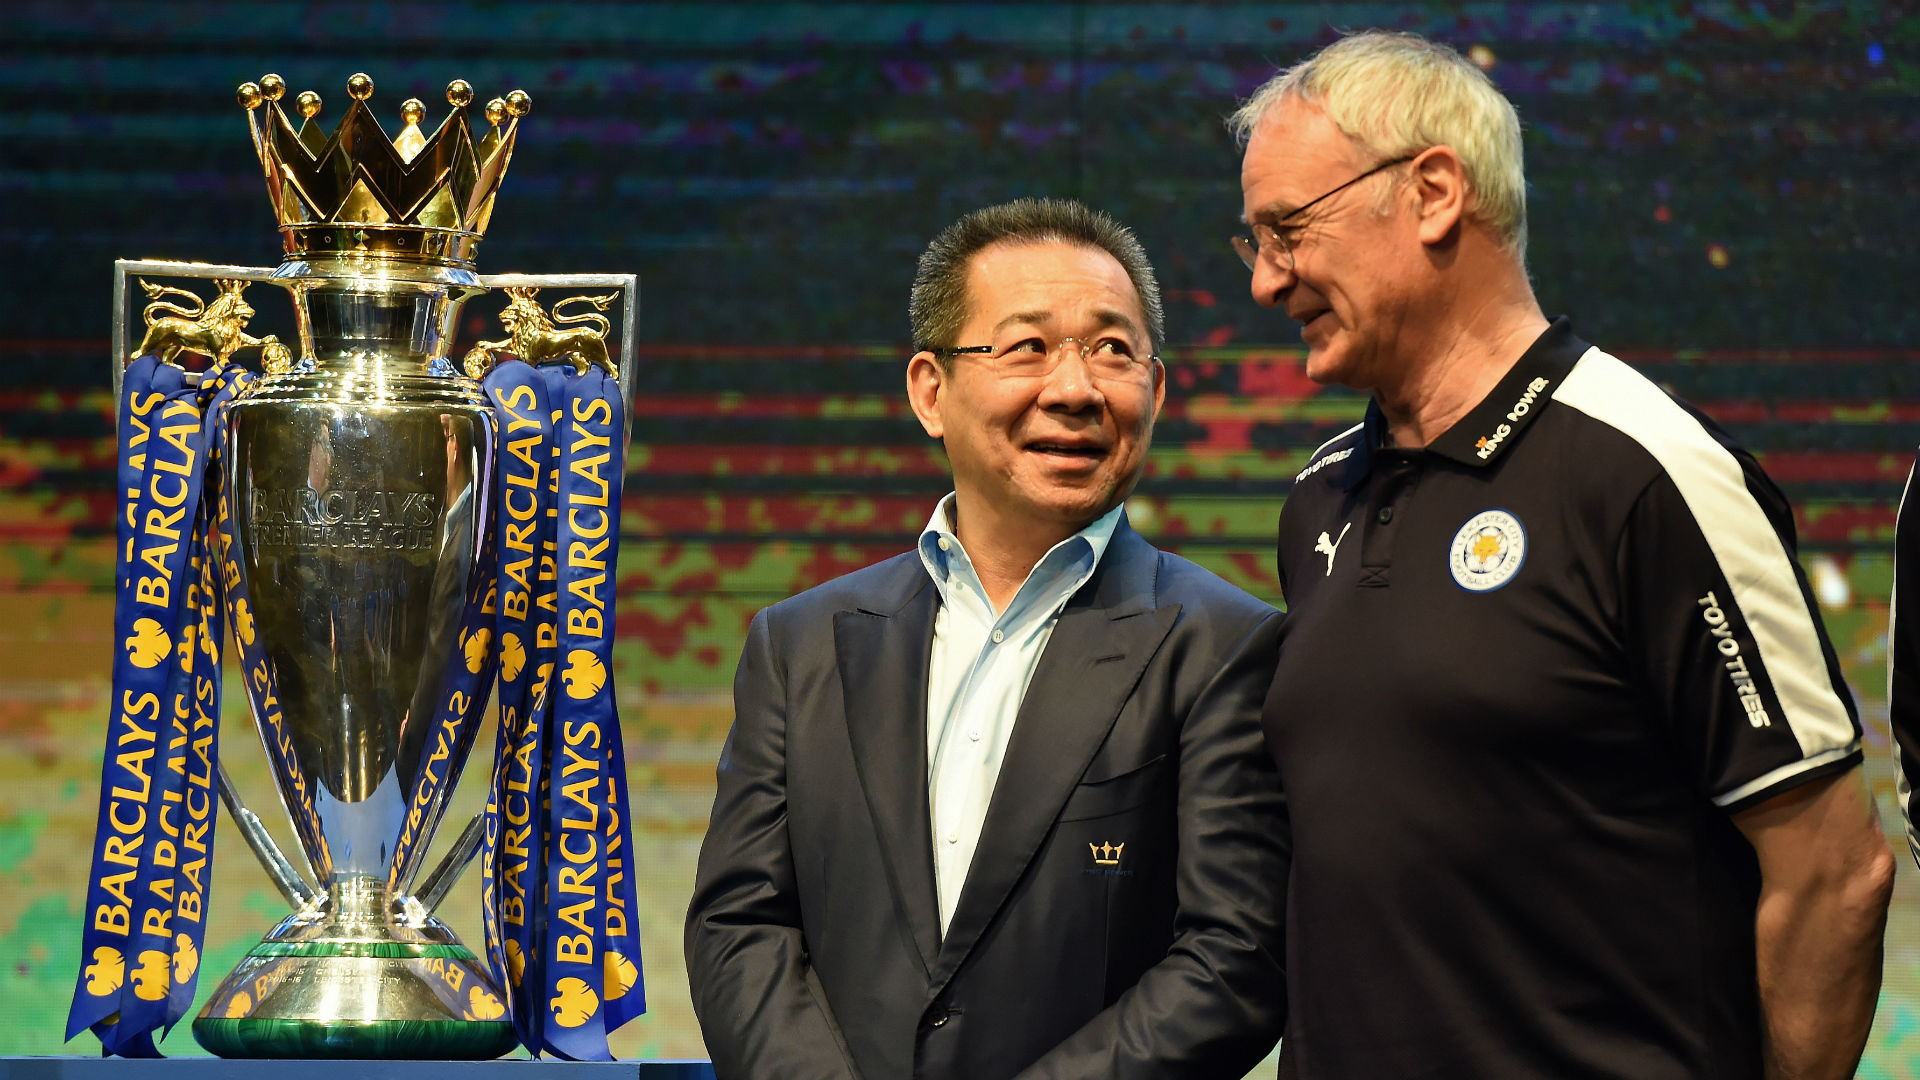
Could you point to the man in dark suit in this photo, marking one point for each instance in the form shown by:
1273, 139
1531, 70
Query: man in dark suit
998, 806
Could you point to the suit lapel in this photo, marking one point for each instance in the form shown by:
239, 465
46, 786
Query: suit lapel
1099, 648
883, 652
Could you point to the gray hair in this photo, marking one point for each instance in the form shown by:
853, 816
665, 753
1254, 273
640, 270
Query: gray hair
1398, 94
938, 306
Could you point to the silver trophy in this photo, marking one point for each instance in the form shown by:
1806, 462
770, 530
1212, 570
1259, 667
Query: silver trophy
358, 480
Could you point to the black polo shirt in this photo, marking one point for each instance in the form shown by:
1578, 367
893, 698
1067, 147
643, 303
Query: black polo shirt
1526, 675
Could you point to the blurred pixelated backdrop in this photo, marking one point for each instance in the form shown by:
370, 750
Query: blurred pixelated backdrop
1721, 193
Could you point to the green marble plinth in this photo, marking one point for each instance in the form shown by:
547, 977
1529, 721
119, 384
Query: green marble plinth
277, 1038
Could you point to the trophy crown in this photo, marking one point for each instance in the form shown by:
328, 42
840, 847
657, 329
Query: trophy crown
358, 192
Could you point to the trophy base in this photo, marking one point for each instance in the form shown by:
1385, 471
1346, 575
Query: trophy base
448, 1040
354, 975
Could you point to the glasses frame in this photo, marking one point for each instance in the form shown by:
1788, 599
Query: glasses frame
1248, 245
994, 352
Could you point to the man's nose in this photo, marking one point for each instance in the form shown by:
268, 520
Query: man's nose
1070, 385
1271, 280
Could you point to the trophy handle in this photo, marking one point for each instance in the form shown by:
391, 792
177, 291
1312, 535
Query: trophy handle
454, 863
447, 872
125, 268
629, 286
286, 878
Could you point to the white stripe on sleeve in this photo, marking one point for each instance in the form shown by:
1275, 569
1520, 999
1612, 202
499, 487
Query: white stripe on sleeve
1902, 786
1743, 542
1795, 768
1322, 448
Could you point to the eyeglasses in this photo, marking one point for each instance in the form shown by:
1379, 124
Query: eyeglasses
1280, 237
1108, 358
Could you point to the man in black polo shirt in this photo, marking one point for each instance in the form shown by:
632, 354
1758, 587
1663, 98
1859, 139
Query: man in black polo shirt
1570, 767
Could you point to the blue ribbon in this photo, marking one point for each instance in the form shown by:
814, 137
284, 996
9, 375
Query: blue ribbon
558, 853
626, 994
197, 806
525, 623
622, 891
172, 921
584, 973
131, 956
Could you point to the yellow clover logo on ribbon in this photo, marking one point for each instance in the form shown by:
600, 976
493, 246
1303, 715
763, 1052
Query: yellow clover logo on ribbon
151, 979
148, 644
186, 959
574, 1003
482, 1005
243, 622
476, 649
584, 675
106, 973
620, 975
513, 656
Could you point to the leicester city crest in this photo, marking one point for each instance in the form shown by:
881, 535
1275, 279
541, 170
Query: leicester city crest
1487, 551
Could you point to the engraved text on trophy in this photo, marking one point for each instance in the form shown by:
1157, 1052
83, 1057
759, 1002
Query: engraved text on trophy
304, 519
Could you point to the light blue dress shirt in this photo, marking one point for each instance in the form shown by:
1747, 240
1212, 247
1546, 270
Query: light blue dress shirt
981, 664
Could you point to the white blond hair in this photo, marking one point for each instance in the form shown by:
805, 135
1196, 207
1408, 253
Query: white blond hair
1398, 94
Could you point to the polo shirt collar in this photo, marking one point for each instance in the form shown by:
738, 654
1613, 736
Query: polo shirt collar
1492, 427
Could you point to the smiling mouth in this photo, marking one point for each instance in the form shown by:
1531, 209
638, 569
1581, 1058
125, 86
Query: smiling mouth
1078, 451
1308, 318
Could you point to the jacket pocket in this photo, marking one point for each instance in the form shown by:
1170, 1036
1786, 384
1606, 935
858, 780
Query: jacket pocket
1115, 794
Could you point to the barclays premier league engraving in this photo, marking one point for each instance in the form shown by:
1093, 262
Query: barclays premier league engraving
387, 537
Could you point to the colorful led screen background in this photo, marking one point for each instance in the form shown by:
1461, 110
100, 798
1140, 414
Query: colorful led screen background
1720, 193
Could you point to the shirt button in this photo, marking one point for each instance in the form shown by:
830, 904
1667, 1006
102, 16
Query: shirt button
999, 636
945, 545
1385, 515
953, 836
974, 735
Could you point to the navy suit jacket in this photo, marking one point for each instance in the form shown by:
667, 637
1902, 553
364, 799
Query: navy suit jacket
1122, 916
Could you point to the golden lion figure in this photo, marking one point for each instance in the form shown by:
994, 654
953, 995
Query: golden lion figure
216, 330
532, 336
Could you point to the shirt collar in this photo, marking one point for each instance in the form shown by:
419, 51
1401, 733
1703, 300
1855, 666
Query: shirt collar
1490, 428
940, 561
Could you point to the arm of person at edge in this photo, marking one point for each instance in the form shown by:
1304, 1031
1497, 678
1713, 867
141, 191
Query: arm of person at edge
1822, 912
1825, 879
1903, 657
1826, 875
1215, 1005
760, 1004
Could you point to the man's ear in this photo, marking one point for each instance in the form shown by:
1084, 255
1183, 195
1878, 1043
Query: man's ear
1440, 185
926, 379
1159, 387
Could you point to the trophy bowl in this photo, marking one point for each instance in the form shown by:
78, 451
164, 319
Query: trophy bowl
359, 487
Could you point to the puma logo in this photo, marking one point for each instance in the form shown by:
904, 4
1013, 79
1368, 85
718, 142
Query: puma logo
1329, 544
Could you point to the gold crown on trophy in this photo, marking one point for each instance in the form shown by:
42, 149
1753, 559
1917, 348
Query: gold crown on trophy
359, 193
